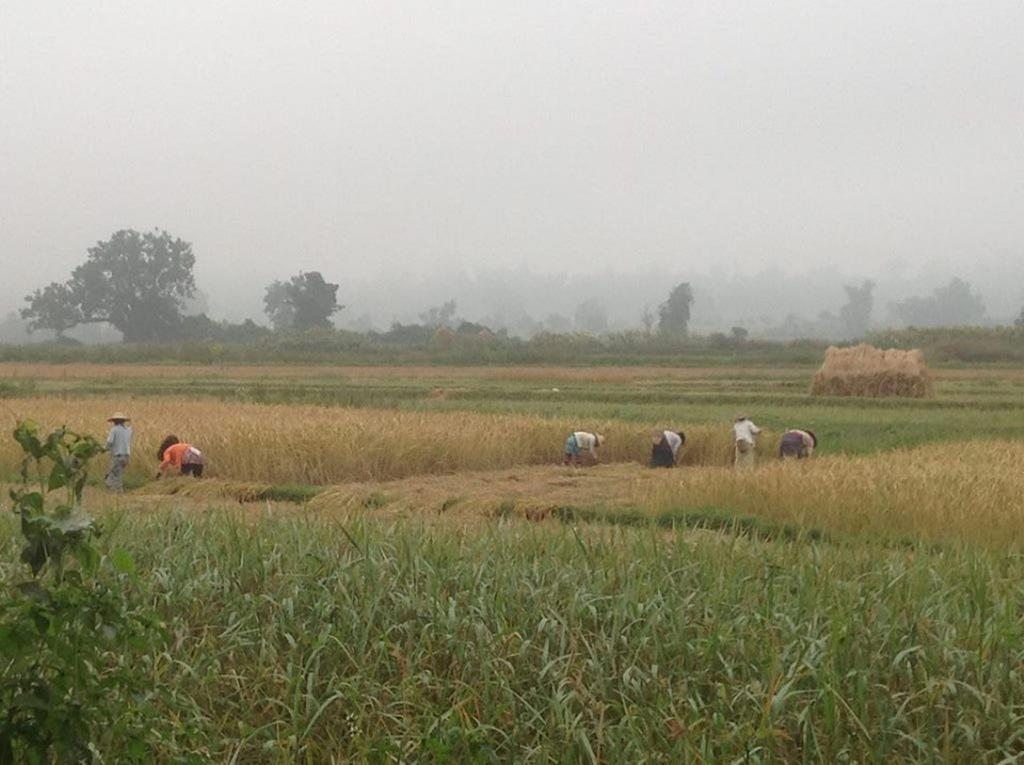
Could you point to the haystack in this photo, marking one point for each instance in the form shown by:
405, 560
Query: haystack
864, 370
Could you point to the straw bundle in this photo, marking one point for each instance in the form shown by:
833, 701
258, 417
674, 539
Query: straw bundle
864, 370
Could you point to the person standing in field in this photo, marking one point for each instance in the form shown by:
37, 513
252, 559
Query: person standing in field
582, 445
744, 433
119, 446
665, 452
176, 453
797, 443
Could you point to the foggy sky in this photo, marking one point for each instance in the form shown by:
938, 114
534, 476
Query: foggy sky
375, 139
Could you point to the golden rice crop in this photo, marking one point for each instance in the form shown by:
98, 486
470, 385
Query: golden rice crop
325, 445
971, 492
864, 370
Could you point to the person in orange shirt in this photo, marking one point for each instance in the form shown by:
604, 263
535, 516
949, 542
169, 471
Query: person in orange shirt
175, 453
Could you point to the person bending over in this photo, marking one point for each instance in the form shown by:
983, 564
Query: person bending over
581, 447
174, 453
797, 443
665, 451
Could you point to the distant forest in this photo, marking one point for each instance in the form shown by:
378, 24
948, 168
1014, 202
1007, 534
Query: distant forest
140, 288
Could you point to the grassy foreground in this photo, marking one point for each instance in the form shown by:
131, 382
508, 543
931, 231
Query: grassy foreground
297, 639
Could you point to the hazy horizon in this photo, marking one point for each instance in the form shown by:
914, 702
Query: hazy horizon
383, 143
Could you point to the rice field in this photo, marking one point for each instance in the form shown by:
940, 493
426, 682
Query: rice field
389, 565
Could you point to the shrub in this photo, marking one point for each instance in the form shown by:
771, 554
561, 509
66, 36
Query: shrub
63, 685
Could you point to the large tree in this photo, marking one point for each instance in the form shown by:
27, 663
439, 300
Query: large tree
136, 282
674, 313
305, 301
856, 312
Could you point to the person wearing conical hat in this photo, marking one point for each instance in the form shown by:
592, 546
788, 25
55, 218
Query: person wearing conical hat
580, 445
119, 447
744, 434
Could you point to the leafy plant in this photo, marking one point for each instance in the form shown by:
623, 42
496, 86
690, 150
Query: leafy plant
63, 683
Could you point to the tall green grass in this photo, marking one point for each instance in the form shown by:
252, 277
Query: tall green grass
301, 640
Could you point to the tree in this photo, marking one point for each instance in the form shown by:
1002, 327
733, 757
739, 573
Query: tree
136, 282
674, 313
305, 301
556, 322
1019, 321
647, 319
53, 307
278, 306
439, 316
856, 313
952, 305
592, 317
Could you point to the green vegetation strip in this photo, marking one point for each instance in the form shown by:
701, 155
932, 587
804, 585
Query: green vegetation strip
707, 518
306, 640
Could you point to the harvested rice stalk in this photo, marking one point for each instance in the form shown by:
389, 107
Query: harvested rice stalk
864, 370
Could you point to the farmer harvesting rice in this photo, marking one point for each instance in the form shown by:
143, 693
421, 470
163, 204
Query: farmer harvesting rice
744, 433
582, 443
665, 451
797, 443
175, 453
119, 446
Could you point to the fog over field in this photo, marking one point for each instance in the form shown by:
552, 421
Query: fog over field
522, 158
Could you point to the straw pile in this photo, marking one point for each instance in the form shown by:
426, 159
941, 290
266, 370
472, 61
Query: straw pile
864, 370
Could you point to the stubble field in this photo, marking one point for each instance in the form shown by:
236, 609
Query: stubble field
388, 564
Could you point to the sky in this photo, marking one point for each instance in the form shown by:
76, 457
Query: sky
400, 141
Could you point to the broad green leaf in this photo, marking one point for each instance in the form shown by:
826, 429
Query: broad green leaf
34, 554
26, 434
34, 591
58, 477
75, 520
86, 554
32, 500
41, 621
122, 561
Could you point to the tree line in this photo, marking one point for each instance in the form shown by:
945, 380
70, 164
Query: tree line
140, 283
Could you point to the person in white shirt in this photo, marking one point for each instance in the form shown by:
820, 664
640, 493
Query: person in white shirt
119, 446
665, 451
744, 433
581, 444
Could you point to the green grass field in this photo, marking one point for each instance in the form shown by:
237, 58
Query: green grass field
440, 619
298, 640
